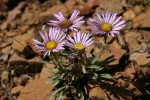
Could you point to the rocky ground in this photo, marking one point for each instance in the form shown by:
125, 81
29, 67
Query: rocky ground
24, 74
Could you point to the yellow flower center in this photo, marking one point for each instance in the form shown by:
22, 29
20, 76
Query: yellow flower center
106, 27
66, 24
51, 45
79, 46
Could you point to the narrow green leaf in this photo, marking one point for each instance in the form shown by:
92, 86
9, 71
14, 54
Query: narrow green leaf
108, 76
95, 60
66, 53
12, 72
55, 92
43, 27
49, 81
95, 76
83, 69
62, 75
55, 83
60, 96
73, 78
94, 66
109, 59
99, 69
82, 96
55, 76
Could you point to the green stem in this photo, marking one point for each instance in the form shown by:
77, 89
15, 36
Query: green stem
56, 58
105, 46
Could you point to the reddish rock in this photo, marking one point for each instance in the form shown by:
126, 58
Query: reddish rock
70, 4
6, 50
136, 91
142, 59
11, 33
93, 3
48, 14
117, 52
132, 40
98, 93
138, 9
130, 72
4, 77
86, 8
142, 20
16, 89
129, 15
109, 5
21, 41
46, 70
123, 83
6, 43
108, 89
36, 90
16, 57
4, 25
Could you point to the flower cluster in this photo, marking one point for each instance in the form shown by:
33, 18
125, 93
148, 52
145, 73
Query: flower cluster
68, 52
55, 40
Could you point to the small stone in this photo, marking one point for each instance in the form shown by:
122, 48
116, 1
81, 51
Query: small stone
121, 40
93, 3
6, 50
118, 75
48, 14
4, 57
87, 8
13, 24
16, 90
145, 35
70, 4
104, 5
130, 72
5, 1
138, 9
29, 18
123, 83
21, 41
37, 76
132, 40
4, 25
129, 15
24, 28
4, 97
116, 44
16, 81
98, 93
145, 70
142, 20
16, 57
15, 12
136, 91
142, 59
8, 42
5, 77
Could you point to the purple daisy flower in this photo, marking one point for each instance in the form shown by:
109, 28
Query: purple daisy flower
67, 24
107, 24
80, 41
52, 41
